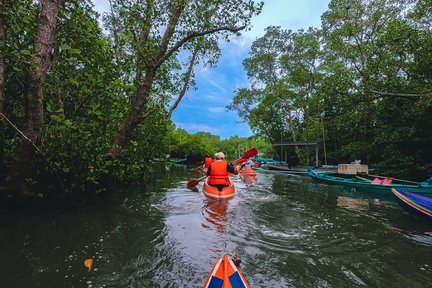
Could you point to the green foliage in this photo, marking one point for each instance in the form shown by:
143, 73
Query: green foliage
337, 84
342, 84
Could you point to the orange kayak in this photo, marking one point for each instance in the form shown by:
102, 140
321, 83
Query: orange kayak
247, 172
225, 274
214, 193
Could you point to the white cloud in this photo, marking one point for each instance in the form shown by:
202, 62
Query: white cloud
210, 97
290, 14
201, 69
242, 84
214, 83
216, 109
240, 43
197, 127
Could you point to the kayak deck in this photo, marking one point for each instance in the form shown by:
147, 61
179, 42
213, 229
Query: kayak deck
225, 274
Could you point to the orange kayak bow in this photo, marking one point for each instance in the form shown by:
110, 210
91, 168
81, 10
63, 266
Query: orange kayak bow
225, 274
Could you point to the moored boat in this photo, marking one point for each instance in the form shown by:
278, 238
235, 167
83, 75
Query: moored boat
297, 170
226, 274
414, 203
301, 170
375, 184
214, 193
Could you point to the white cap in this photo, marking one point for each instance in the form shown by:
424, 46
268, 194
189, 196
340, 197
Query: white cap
220, 155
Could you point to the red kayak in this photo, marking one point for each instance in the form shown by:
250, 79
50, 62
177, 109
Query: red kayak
225, 274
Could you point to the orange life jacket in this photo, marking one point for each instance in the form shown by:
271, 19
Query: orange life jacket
219, 173
207, 162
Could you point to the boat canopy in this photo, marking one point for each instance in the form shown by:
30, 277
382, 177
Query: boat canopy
284, 144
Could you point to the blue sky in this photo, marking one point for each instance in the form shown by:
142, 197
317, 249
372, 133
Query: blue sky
204, 109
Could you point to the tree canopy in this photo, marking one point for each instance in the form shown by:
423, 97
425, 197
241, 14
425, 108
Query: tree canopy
362, 84
86, 99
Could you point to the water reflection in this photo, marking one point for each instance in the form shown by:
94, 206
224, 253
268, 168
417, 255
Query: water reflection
352, 203
215, 213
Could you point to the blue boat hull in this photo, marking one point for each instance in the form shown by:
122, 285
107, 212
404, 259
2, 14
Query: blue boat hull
413, 203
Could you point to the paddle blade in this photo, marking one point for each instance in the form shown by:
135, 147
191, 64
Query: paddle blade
241, 160
192, 183
250, 153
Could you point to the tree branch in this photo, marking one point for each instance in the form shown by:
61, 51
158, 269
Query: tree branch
195, 35
186, 81
387, 94
145, 32
169, 32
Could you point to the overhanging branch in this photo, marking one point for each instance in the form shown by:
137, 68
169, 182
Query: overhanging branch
390, 94
195, 35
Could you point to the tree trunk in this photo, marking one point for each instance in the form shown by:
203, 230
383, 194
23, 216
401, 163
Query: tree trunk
135, 116
152, 64
141, 97
44, 42
2, 86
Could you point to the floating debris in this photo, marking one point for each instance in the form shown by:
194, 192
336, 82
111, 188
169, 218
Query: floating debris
395, 229
88, 263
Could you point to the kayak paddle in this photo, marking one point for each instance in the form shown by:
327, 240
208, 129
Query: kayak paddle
199, 165
193, 182
248, 154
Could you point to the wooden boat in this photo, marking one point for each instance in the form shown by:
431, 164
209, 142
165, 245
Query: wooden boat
226, 274
214, 193
300, 169
264, 169
368, 183
262, 160
414, 203
261, 167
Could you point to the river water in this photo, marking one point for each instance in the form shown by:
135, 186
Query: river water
287, 230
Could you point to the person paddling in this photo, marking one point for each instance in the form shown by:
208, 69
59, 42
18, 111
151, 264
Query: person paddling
246, 166
207, 162
218, 171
